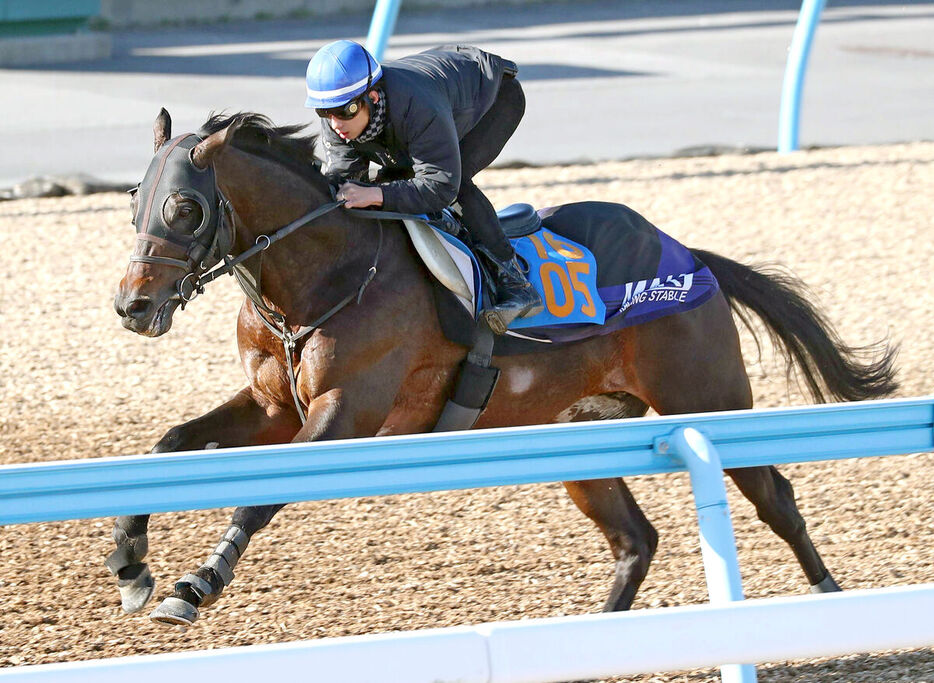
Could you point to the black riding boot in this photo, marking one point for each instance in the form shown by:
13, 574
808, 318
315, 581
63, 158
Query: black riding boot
515, 297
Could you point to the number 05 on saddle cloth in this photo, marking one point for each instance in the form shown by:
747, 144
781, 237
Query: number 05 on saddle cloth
565, 274
598, 266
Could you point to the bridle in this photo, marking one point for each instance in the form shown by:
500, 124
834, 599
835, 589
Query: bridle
172, 172
204, 255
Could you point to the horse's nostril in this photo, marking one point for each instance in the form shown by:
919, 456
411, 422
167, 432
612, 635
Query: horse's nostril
138, 308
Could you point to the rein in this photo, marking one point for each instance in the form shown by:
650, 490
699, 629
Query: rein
275, 321
263, 242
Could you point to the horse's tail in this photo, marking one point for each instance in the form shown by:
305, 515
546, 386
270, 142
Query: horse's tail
803, 333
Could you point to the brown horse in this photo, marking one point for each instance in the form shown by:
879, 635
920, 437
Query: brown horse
380, 364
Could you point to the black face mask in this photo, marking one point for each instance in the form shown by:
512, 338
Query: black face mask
172, 171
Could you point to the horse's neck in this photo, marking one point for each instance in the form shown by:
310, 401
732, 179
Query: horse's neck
314, 267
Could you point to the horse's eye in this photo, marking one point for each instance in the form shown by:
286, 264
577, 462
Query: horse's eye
184, 212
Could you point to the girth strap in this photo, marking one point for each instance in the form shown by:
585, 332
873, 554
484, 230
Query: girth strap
475, 385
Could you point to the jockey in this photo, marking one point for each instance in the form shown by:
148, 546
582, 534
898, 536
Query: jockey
431, 121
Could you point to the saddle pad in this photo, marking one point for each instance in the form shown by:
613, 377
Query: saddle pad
563, 271
641, 274
565, 274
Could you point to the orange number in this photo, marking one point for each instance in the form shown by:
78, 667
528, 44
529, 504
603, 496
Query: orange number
564, 310
539, 247
576, 269
563, 248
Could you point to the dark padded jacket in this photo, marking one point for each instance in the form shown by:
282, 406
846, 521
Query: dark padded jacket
433, 99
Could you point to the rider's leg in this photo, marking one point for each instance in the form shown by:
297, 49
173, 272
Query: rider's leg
514, 297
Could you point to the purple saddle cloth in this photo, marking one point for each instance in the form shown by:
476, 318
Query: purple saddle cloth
642, 274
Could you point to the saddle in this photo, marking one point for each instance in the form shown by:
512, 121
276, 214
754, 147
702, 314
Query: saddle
598, 266
458, 263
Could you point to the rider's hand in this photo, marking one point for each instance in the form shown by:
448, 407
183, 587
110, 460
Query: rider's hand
360, 196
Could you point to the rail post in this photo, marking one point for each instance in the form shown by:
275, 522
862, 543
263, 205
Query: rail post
718, 544
790, 109
381, 26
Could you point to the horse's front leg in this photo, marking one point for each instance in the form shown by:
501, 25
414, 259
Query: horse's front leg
242, 421
329, 417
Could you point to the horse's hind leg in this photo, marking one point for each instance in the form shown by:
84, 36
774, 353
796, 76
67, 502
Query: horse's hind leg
774, 500
699, 370
632, 538
239, 422
612, 507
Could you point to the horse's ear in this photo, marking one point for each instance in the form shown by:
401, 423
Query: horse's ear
203, 153
161, 129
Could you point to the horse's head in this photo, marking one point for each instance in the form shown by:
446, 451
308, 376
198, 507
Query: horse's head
183, 228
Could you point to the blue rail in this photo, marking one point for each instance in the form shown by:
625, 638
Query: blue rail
433, 462
703, 444
793, 85
718, 544
381, 26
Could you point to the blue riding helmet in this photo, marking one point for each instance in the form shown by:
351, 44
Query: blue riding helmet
338, 73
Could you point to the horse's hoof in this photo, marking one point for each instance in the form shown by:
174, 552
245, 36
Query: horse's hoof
137, 591
175, 612
827, 585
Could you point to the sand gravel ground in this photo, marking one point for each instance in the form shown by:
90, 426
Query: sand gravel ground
855, 223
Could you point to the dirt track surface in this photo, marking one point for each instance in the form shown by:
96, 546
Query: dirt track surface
856, 224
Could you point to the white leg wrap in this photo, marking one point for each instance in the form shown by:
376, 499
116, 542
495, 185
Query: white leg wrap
229, 552
198, 585
129, 551
223, 569
238, 537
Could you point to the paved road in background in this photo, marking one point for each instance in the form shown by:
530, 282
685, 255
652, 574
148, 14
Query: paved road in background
603, 80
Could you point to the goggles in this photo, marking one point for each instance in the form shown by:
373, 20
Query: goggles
344, 112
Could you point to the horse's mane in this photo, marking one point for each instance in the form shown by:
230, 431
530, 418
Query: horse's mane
257, 135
